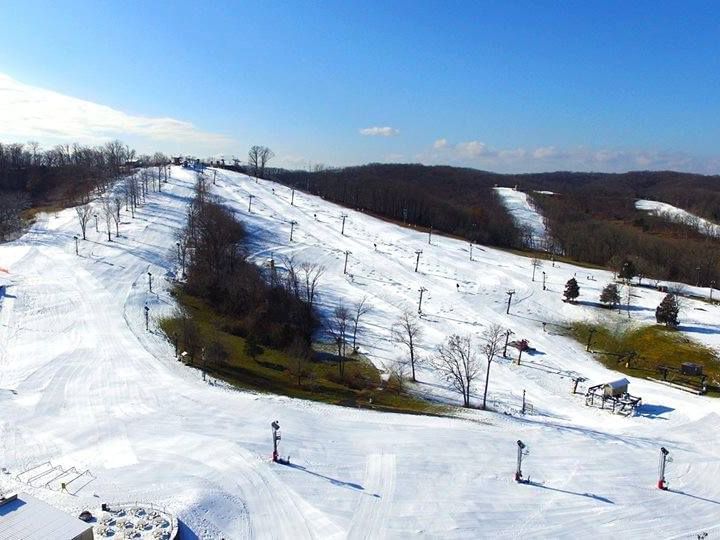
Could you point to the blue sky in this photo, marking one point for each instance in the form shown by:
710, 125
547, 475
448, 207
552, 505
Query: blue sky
506, 86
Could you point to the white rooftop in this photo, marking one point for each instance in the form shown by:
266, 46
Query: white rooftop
28, 518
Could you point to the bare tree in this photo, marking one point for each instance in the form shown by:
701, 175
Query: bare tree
117, 202
492, 343
337, 326
265, 155
536, 263
108, 211
254, 160
311, 274
361, 309
408, 332
84, 212
457, 362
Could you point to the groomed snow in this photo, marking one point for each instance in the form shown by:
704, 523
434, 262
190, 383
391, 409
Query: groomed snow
678, 215
525, 215
84, 385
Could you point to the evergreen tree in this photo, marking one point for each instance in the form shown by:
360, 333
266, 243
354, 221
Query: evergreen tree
667, 312
572, 290
610, 295
627, 270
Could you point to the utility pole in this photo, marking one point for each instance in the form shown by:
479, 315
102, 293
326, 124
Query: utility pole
78, 253
150, 281
147, 318
292, 197
276, 438
508, 333
510, 295
417, 261
662, 483
520, 453
421, 290
342, 230
346, 261
250, 197
544, 277
590, 336
292, 228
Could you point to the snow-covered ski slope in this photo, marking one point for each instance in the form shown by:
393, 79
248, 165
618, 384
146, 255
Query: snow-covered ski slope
673, 213
82, 384
520, 207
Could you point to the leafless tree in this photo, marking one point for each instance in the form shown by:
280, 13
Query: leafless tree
536, 263
310, 275
84, 212
254, 160
117, 202
457, 362
361, 308
492, 343
337, 326
108, 210
265, 156
408, 332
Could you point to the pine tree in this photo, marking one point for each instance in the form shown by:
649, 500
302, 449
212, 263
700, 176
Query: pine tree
610, 295
627, 270
572, 290
667, 312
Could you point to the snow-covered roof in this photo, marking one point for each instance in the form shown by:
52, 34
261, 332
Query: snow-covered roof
28, 518
620, 383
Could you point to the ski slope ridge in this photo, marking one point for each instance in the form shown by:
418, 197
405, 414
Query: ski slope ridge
82, 384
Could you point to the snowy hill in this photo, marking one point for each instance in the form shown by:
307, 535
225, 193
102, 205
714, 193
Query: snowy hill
82, 384
678, 215
526, 216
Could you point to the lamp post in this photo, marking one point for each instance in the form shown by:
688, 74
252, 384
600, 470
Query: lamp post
510, 295
508, 333
347, 253
662, 483
276, 438
421, 290
78, 253
250, 198
342, 230
417, 261
520, 453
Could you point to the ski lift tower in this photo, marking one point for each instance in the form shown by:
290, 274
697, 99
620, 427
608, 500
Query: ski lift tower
664, 459
522, 451
276, 437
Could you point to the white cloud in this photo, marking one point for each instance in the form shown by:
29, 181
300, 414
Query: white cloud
29, 112
550, 158
440, 143
379, 131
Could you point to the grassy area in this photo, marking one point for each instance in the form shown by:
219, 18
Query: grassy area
275, 371
639, 351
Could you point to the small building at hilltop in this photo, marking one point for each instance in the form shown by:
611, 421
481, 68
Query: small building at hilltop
23, 517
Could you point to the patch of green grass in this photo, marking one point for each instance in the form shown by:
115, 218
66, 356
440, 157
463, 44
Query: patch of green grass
271, 369
652, 346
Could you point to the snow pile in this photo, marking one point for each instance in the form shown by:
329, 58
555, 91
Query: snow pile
530, 221
84, 385
678, 215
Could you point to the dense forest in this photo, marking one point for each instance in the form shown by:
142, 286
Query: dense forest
592, 216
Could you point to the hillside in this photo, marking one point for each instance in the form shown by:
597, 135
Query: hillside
82, 383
